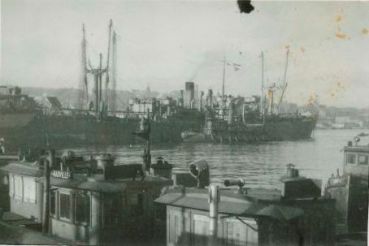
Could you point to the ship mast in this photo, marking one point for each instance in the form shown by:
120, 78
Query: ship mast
100, 73
101, 100
223, 85
114, 73
107, 64
83, 98
262, 107
284, 79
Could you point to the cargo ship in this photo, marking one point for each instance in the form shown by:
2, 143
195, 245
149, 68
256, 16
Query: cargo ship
271, 128
95, 120
24, 123
251, 119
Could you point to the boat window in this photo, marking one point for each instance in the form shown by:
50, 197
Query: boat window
82, 208
363, 159
351, 159
64, 201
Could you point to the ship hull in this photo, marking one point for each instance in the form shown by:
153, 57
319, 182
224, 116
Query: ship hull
351, 195
70, 131
289, 129
276, 129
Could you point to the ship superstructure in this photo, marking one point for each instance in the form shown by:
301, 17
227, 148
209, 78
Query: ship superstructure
232, 119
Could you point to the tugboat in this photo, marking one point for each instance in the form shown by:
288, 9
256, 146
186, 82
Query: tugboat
350, 189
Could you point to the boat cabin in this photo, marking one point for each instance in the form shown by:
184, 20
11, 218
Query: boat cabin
350, 189
356, 160
97, 211
86, 199
25, 194
249, 216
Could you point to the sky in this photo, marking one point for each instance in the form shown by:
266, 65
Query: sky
164, 43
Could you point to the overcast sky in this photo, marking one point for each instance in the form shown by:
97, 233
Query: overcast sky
163, 43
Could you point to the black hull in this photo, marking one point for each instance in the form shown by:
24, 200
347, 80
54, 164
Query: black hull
277, 129
70, 131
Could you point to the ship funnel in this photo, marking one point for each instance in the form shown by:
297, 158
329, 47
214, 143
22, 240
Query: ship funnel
209, 98
189, 94
181, 99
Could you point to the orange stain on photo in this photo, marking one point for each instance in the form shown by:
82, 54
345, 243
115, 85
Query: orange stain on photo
341, 35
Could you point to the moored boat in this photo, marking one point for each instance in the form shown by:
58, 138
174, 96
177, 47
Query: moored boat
350, 189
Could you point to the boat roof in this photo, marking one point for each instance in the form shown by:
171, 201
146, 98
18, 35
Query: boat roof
230, 203
89, 185
358, 148
81, 182
23, 168
360, 143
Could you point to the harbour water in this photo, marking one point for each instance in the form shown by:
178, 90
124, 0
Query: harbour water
260, 165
